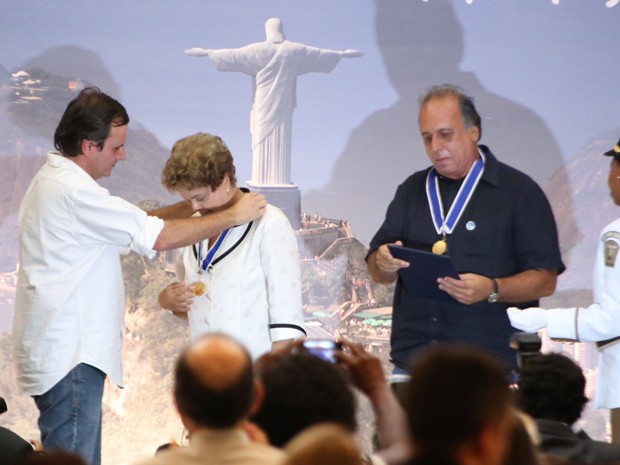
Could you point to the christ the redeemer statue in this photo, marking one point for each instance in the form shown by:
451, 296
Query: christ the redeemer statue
274, 65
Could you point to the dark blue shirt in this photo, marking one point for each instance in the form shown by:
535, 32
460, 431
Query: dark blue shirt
507, 227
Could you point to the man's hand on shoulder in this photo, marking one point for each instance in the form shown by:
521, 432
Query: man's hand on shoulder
248, 208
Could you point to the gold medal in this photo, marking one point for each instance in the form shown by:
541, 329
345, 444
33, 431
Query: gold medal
199, 288
440, 247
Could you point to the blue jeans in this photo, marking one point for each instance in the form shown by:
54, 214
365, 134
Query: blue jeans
70, 413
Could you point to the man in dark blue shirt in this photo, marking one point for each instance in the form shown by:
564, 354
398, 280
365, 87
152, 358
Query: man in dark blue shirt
494, 221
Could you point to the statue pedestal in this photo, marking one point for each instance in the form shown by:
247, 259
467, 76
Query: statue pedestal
287, 198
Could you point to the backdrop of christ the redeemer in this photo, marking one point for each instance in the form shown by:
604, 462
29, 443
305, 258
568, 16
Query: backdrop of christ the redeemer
274, 65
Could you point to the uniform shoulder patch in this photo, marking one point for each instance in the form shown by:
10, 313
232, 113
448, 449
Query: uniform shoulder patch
612, 244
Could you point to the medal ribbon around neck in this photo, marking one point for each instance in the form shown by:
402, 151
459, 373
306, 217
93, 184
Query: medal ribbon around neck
205, 262
446, 224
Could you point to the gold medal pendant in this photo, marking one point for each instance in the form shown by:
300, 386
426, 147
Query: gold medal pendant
199, 288
440, 247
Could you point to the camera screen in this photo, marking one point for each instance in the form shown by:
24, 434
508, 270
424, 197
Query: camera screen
324, 349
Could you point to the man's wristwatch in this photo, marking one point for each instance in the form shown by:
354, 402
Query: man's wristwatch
494, 295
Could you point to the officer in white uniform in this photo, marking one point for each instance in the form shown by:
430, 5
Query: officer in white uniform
600, 322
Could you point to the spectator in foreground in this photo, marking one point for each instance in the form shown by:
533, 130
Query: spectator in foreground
324, 444
303, 390
552, 391
214, 393
459, 407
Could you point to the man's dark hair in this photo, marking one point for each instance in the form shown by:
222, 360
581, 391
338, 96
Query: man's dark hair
302, 390
213, 407
454, 392
466, 103
88, 116
552, 387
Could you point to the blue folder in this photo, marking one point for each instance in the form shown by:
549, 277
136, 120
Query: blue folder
420, 278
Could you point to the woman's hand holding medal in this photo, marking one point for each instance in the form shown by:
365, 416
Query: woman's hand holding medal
178, 297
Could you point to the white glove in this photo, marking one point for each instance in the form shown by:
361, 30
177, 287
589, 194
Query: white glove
529, 320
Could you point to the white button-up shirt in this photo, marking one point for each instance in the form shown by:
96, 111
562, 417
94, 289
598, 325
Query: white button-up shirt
70, 297
254, 293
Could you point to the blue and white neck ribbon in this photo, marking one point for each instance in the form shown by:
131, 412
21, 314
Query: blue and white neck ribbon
446, 224
203, 263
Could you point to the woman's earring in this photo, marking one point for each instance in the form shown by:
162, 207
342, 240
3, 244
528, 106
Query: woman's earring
228, 189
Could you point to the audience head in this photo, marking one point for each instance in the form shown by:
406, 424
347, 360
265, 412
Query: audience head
524, 439
552, 387
324, 444
89, 116
214, 383
302, 390
198, 161
458, 402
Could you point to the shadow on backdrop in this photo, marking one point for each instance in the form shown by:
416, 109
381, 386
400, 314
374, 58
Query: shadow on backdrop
422, 45
28, 126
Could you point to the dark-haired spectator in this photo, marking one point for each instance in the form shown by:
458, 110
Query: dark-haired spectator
459, 407
214, 392
302, 390
552, 391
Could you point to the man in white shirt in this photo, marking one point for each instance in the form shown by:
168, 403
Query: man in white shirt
68, 325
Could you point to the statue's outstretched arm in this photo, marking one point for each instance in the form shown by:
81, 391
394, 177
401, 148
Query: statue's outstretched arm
197, 52
352, 53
